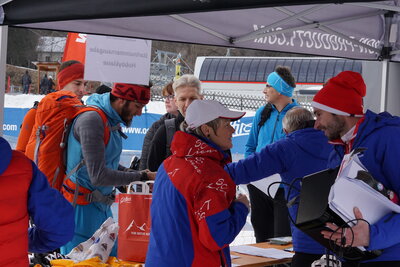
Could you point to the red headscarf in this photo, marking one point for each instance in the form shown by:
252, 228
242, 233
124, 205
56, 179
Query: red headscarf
69, 74
132, 92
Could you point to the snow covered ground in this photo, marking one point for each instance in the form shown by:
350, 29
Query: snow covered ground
246, 236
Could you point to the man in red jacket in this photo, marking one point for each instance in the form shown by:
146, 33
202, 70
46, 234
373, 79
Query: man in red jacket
25, 193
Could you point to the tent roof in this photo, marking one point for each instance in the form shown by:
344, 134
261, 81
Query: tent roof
359, 29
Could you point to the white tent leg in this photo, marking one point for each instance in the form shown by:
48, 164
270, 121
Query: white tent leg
384, 85
3, 60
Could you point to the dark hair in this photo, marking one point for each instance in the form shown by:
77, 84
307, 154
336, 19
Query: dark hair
265, 114
68, 63
285, 73
113, 98
103, 89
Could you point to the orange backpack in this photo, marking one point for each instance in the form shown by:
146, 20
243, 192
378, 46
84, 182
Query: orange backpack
26, 128
47, 143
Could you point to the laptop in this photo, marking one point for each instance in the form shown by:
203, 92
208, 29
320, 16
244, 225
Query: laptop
314, 212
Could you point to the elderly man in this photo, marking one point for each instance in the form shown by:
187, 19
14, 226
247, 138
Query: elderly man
187, 88
303, 151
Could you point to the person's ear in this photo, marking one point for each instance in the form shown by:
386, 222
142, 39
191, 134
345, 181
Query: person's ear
205, 129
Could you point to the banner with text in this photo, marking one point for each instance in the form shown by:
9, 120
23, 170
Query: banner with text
115, 59
13, 118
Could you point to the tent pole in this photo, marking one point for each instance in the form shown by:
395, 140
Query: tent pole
3, 60
384, 85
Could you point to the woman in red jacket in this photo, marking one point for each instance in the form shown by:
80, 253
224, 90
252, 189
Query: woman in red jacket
195, 215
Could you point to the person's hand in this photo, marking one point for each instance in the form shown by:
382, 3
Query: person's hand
243, 199
355, 236
150, 175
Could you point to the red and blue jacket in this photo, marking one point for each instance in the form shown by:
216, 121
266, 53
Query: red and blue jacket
25, 192
194, 215
380, 135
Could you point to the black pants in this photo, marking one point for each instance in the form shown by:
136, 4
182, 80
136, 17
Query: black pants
268, 218
304, 259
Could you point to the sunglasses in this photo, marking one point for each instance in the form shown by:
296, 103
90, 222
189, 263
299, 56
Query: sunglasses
168, 97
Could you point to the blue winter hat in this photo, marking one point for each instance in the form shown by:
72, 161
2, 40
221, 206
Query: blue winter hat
279, 84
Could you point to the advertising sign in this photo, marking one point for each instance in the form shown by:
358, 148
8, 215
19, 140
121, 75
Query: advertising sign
115, 59
140, 125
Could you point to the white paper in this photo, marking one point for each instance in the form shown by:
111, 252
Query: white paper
116, 59
262, 252
348, 192
265, 182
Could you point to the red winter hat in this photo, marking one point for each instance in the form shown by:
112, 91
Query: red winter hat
132, 92
342, 95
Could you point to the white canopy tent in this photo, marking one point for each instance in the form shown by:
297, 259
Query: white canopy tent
359, 29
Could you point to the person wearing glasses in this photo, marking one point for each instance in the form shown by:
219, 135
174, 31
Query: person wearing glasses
172, 112
269, 219
186, 89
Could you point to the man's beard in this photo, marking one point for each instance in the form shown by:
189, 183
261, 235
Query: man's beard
335, 129
126, 114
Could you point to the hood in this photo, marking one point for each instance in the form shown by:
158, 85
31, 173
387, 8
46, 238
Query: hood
312, 141
288, 106
103, 101
188, 145
374, 122
6, 154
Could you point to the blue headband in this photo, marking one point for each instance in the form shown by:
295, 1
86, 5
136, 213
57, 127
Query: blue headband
279, 84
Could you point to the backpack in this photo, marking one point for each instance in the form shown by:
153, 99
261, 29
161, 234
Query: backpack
26, 128
47, 143
170, 130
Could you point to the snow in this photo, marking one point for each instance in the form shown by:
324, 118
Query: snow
26, 101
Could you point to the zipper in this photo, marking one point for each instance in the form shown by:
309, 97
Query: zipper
273, 131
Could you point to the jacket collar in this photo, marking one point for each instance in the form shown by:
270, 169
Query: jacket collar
6, 154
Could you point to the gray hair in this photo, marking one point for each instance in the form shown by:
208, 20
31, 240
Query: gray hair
297, 118
188, 80
214, 124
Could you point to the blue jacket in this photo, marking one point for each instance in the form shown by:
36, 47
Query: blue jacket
88, 218
194, 217
25, 192
270, 132
380, 134
302, 152
113, 148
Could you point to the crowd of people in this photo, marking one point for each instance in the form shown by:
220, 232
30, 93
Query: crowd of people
196, 212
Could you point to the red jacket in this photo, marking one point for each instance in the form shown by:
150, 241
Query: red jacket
194, 216
24, 193
14, 184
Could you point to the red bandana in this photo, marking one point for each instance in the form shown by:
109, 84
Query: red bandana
69, 74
